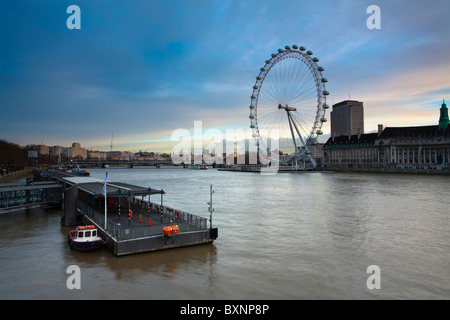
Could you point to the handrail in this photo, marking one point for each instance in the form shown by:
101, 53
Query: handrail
186, 221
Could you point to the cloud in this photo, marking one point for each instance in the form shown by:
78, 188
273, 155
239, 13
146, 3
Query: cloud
142, 69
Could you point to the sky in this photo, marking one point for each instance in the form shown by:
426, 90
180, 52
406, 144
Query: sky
138, 70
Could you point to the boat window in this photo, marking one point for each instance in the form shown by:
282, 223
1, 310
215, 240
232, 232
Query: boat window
94, 233
87, 233
80, 234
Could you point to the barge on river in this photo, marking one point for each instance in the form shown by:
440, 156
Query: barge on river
135, 220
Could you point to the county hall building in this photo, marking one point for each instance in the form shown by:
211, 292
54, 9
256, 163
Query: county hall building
392, 148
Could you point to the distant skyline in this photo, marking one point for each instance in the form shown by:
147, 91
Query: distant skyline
141, 69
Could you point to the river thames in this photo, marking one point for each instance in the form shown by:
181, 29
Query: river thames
281, 237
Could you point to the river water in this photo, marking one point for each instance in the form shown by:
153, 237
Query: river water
284, 236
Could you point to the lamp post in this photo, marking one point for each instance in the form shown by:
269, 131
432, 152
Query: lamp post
211, 191
104, 192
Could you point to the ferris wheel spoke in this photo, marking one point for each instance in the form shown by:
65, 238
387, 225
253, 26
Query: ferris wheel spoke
288, 97
305, 90
299, 79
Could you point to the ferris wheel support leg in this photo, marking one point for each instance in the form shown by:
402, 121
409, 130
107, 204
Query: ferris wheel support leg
292, 131
314, 163
298, 131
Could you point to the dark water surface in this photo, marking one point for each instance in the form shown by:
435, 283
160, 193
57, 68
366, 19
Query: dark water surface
286, 236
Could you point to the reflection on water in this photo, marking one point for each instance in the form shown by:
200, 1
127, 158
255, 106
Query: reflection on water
288, 236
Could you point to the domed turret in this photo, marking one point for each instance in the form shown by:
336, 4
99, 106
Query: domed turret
444, 121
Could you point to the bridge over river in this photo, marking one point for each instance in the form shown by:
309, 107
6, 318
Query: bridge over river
102, 163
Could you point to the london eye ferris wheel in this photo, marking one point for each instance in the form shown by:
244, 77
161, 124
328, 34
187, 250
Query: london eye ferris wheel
289, 96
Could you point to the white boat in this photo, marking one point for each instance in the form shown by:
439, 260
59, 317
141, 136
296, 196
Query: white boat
85, 238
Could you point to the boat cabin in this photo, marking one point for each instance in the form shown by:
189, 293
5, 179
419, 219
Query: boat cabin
85, 232
85, 238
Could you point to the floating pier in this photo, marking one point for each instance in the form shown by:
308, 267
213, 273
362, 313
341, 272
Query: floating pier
135, 216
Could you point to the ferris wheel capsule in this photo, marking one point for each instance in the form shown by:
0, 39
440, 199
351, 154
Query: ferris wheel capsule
295, 47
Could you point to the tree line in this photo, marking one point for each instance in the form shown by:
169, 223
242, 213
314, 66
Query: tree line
14, 157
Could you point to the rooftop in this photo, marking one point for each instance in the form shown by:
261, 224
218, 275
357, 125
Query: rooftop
94, 186
363, 139
413, 132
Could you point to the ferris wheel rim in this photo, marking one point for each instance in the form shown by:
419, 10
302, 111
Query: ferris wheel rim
319, 81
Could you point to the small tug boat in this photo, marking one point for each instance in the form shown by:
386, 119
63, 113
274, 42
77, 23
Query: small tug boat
85, 238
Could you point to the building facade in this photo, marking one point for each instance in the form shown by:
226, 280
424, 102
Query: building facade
393, 148
424, 147
77, 152
347, 118
96, 154
350, 151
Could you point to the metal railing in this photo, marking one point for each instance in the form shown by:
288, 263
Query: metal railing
23, 196
124, 230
